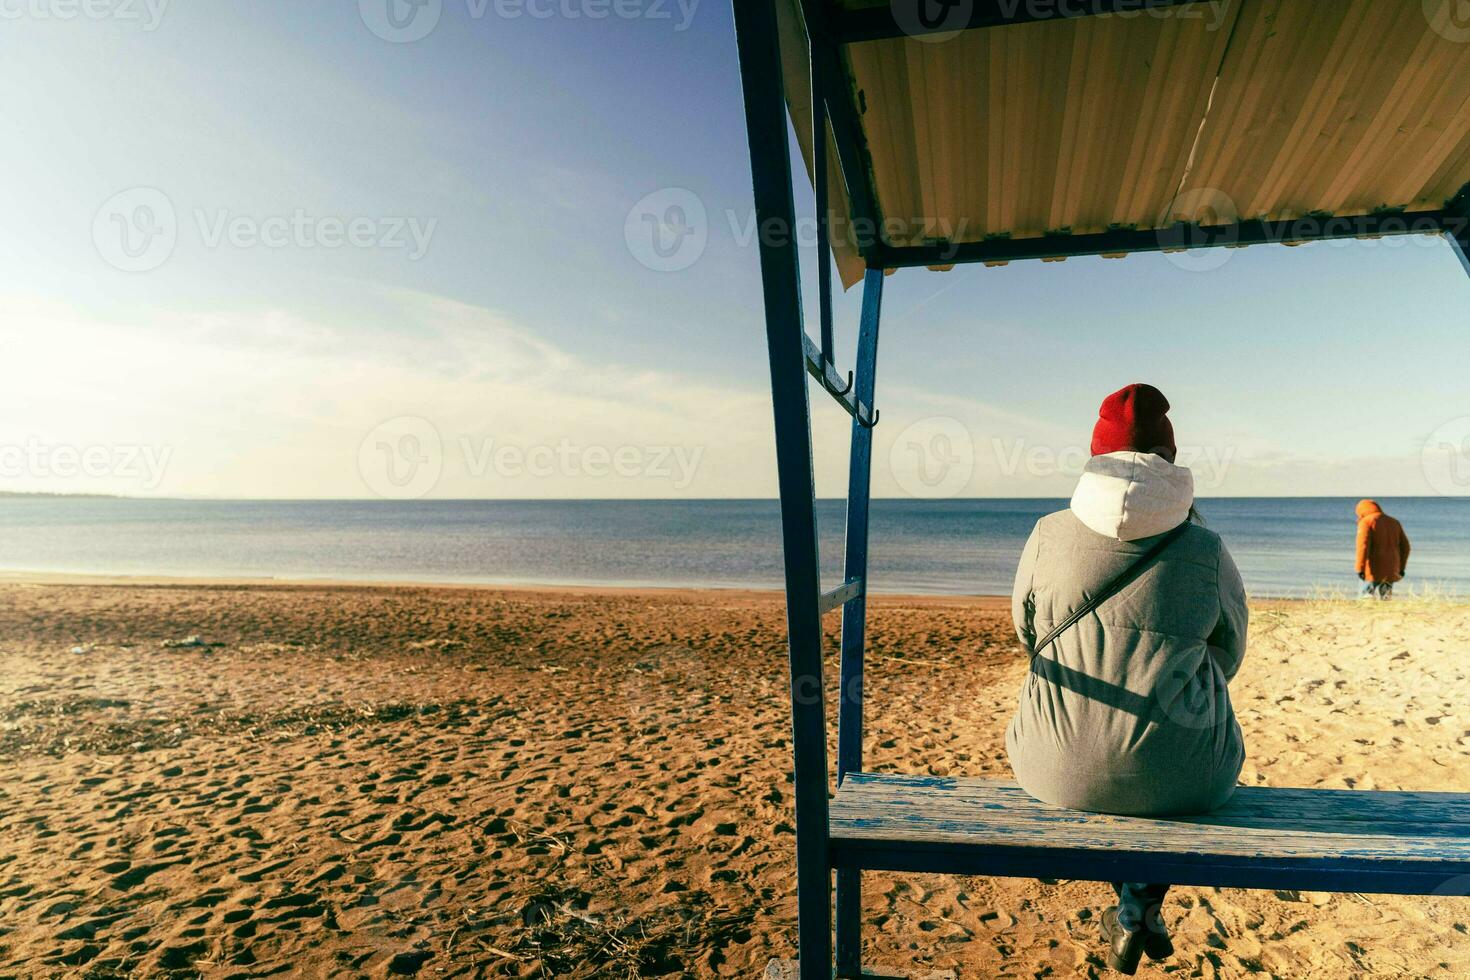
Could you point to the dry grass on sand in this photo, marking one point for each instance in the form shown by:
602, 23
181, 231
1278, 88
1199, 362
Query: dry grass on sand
472, 782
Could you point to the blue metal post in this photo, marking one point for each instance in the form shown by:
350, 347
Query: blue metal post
854, 616
819, 186
844, 118
765, 120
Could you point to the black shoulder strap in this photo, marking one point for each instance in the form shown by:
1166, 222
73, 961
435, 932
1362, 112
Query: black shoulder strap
1112, 588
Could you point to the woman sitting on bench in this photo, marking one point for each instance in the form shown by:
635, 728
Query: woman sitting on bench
1125, 710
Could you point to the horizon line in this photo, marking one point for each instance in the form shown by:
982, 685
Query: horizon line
53, 495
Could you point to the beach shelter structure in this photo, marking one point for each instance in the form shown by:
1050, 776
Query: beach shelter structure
938, 133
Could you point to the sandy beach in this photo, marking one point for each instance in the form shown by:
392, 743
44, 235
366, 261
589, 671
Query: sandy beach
367, 781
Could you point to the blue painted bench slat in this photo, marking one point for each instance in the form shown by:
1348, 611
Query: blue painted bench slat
1265, 837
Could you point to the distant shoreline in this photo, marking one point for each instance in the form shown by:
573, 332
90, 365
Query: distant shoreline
283, 583
142, 580
52, 495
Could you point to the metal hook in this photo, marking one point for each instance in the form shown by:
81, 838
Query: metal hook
833, 391
868, 425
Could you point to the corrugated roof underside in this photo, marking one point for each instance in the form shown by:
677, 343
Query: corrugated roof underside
1267, 108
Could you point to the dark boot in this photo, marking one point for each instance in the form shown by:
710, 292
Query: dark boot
1156, 944
1125, 947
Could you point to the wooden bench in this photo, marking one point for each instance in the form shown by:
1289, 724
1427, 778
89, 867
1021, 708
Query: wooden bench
1265, 837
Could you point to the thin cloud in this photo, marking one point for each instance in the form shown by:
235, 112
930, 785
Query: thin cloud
269, 404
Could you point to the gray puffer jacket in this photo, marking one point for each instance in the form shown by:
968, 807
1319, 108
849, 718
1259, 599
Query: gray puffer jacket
1128, 710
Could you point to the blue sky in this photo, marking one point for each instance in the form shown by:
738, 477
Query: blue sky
489, 169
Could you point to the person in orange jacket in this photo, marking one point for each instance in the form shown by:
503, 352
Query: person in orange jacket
1383, 550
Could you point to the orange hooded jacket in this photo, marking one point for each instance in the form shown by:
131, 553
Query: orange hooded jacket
1383, 548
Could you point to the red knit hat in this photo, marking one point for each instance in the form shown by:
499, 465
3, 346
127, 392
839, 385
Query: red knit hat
1133, 419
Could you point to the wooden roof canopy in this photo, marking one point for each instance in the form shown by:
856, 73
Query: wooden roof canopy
1084, 127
